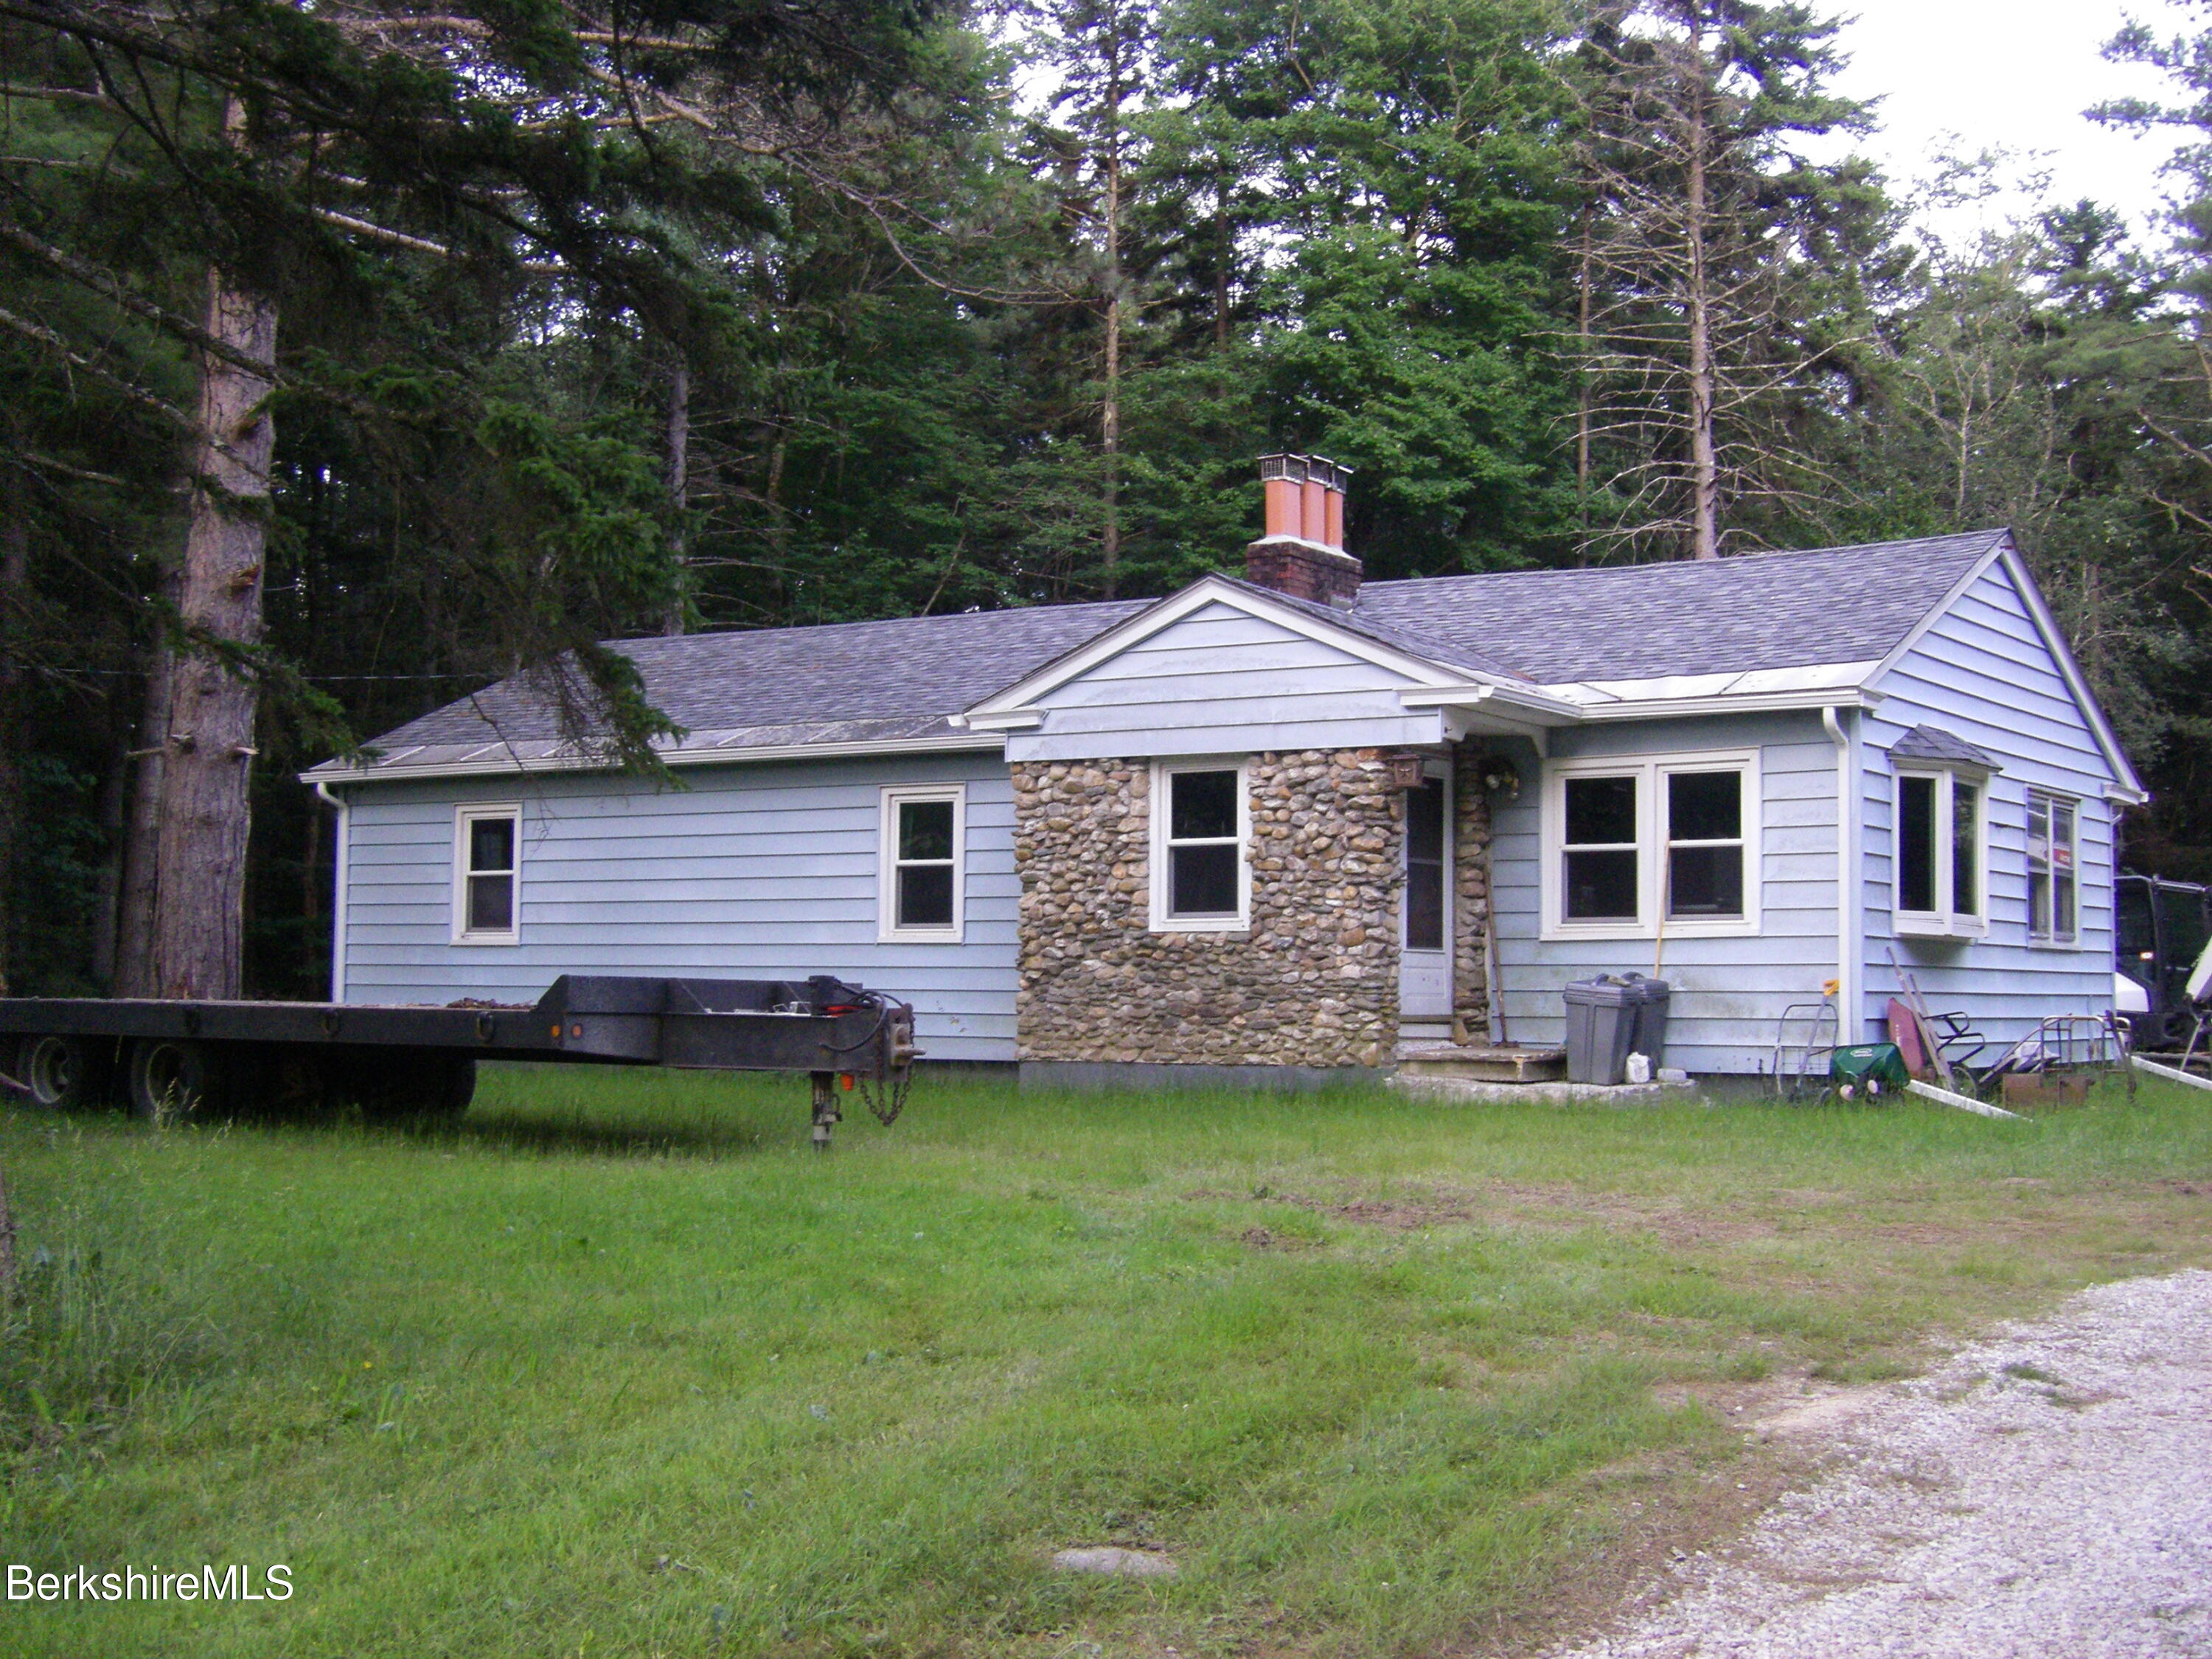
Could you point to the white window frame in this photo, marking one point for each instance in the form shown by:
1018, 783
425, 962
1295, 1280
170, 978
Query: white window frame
1944, 921
1651, 773
1162, 922
2052, 940
464, 817
888, 931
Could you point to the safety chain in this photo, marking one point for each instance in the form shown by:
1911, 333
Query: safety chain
885, 1091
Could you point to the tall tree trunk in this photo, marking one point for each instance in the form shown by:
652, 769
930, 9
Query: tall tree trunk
1223, 249
679, 484
1110, 419
107, 904
1705, 466
205, 811
1584, 278
15, 620
142, 837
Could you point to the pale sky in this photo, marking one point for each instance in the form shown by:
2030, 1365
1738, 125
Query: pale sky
2015, 73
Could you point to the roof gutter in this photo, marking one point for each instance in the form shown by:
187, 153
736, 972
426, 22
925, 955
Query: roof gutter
1557, 710
510, 765
1468, 693
341, 885
1850, 894
1747, 703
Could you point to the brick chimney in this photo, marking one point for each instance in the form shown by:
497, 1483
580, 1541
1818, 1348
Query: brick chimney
1302, 552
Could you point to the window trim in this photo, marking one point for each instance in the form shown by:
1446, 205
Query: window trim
1162, 770
464, 816
1650, 772
888, 865
1943, 921
2052, 941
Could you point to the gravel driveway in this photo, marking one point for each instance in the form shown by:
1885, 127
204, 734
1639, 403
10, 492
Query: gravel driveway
2045, 1495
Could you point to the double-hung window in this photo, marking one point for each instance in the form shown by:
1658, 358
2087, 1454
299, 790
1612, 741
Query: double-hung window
1941, 853
921, 868
1603, 856
1201, 824
1629, 842
487, 874
2053, 887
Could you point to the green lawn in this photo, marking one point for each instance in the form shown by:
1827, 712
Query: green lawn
619, 1366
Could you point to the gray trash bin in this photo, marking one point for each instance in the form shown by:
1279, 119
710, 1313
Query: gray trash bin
1652, 998
1609, 1019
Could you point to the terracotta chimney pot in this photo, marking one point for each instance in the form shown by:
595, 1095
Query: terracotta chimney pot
1302, 552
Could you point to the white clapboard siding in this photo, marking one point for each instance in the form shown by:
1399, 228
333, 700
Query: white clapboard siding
758, 872
1222, 682
1984, 672
1727, 993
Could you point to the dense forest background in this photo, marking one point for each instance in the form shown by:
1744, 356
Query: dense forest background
558, 323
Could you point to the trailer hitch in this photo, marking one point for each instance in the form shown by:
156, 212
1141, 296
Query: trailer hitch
883, 1077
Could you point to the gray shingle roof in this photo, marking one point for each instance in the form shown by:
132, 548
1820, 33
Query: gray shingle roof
1635, 621
1933, 743
1366, 621
909, 669
1550, 627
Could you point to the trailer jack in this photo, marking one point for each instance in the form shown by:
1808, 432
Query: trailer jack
826, 1108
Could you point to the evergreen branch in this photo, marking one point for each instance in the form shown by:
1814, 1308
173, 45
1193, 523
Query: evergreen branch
56, 95
136, 393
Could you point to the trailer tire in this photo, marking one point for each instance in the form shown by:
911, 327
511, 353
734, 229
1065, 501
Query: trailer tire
171, 1078
394, 1085
424, 1082
456, 1085
61, 1073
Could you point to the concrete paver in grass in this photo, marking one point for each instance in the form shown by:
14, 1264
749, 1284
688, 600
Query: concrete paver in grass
1120, 1563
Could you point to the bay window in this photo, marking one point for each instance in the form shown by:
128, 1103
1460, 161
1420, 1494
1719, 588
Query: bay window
1941, 853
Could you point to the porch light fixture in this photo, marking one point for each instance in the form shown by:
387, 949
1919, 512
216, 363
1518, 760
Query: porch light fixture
1403, 769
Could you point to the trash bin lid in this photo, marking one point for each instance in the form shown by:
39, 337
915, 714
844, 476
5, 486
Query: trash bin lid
1603, 992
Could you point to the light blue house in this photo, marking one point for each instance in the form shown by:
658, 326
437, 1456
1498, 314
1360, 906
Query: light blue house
1292, 821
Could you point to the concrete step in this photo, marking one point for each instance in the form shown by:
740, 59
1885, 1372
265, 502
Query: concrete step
1471, 1063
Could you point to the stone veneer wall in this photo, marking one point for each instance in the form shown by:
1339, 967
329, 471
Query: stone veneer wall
1313, 982
1471, 905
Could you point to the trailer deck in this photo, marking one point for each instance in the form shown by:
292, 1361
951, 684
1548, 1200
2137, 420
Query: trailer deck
209, 1057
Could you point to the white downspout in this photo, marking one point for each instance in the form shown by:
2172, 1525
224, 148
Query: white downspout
339, 889
1850, 1018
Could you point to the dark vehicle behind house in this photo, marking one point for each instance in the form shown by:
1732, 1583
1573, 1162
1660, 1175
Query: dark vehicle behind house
2160, 929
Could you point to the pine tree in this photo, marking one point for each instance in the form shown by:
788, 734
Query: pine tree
1719, 274
282, 151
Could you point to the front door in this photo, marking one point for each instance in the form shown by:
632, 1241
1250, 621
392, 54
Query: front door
1425, 978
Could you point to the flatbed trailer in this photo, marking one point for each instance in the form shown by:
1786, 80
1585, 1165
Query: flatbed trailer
206, 1058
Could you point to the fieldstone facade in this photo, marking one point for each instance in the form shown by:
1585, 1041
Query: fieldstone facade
1470, 896
1313, 982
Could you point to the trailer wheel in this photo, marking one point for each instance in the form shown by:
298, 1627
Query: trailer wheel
62, 1072
392, 1086
454, 1084
170, 1077
423, 1083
